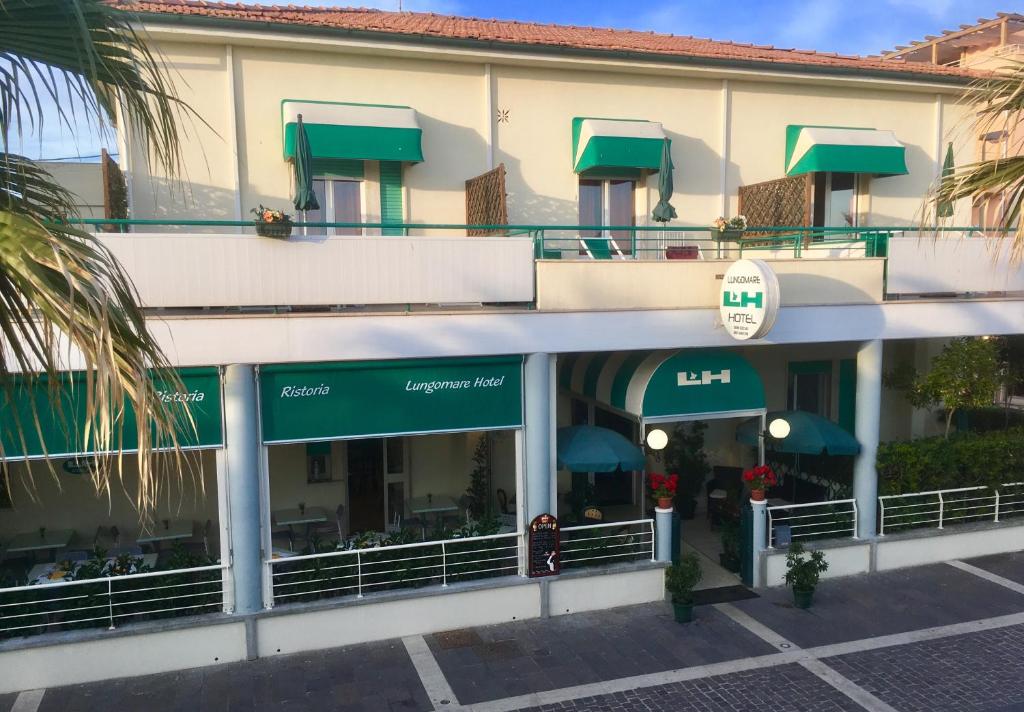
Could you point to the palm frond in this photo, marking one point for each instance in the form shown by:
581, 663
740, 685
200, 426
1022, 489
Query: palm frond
88, 51
997, 104
54, 280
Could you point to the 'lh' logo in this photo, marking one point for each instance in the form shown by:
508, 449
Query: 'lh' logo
743, 299
706, 378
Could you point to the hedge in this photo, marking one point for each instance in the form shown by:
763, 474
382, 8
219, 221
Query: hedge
964, 460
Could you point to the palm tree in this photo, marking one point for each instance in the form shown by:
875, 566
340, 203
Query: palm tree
59, 286
997, 102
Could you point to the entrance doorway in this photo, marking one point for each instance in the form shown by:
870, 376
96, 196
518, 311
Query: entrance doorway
366, 484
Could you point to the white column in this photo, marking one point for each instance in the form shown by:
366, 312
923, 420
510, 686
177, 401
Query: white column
869, 402
242, 458
538, 395
663, 534
759, 533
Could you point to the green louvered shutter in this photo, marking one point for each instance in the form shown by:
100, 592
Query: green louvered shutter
391, 196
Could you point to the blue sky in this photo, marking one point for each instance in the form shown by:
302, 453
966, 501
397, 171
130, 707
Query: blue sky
859, 27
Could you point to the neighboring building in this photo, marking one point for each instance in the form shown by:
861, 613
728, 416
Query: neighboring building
496, 276
989, 45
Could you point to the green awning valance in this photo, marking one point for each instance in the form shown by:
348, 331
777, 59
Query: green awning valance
613, 147
666, 385
843, 150
64, 436
366, 132
325, 401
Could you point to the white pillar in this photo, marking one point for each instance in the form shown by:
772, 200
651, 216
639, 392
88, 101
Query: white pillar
759, 533
538, 409
242, 450
663, 534
866, 429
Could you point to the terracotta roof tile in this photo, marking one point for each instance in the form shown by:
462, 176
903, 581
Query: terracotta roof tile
527, 33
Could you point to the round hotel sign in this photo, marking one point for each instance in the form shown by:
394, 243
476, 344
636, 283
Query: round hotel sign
749, 300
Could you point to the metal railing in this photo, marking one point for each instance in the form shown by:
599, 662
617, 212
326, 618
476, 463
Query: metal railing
595, 544
604, 241
937, 508
107, 601
813, 520
385, 568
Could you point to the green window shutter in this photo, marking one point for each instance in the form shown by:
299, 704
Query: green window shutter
391, 196
847, 394
337, 168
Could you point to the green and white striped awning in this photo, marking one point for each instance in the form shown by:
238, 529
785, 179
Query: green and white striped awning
669, 385
367, 132
612, 147
843, 150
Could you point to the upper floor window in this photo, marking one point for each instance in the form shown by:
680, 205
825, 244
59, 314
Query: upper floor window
810, 387
341, 200
608, 202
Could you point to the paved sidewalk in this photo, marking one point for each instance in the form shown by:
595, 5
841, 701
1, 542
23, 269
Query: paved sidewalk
943, 637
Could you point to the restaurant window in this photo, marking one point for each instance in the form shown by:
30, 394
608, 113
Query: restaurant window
835, 200
810, 387
340, 200
608, 202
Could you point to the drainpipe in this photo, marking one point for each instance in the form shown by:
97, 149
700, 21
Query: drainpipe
241, 437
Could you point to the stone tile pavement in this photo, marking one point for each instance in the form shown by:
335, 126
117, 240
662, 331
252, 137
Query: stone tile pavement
1009, 566
977, 671
882, 604
786, 688
733, 657
531, 656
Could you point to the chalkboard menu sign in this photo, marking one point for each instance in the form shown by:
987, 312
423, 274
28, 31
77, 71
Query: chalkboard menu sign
544, 552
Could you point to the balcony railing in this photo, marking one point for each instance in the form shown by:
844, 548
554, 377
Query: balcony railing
210, 263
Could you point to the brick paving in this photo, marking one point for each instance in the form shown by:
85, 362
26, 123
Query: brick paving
882, 604
533, 656
977, 671
786, 688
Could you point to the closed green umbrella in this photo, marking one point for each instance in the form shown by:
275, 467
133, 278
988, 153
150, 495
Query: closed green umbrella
663, 211
305, 197
588, 448
945, 208
809, 434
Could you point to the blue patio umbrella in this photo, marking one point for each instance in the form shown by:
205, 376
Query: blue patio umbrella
809, 434
588, 448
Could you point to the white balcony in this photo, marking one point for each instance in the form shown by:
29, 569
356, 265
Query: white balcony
235, 270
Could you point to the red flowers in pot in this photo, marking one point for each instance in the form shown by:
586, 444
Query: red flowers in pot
663, 488
759, 479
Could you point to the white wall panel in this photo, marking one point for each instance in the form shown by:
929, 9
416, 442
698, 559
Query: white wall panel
973, 264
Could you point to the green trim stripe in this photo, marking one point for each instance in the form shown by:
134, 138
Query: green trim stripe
625, 374
593, 372
365, 143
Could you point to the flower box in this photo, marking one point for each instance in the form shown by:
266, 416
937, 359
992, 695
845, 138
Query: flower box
279, 230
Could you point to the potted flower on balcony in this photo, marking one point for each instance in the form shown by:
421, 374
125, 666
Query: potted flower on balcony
679, 581
759, 479
731, 229
272, 223
803, 569
663, 489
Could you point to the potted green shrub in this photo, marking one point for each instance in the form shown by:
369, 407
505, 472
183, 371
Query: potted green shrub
803, 569
679, 581
730, 556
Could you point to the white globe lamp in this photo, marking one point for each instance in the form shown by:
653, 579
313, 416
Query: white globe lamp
779, 428
657, 439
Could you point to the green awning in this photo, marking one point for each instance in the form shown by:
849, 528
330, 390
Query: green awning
367, 132
615, 147
843, 150
666, 385
327, 401
64, 436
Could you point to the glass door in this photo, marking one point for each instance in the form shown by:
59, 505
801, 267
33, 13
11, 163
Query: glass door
366, 485
396, 481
